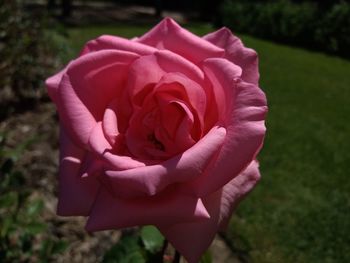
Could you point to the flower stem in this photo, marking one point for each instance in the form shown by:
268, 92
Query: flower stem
165, 245
177, 257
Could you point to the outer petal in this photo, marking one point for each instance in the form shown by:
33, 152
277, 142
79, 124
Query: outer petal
87, 87
116, 43
236, 190
192, 239
236, 52
222, 80
110, 212
169, 35
76, 193
52, 84
152, 179
244, 121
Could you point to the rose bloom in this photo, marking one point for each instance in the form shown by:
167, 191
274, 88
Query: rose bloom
159, 130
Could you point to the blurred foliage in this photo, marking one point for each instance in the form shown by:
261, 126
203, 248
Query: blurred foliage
29, 52
206, 9
308, 23
334, 30
147, 246
23, 236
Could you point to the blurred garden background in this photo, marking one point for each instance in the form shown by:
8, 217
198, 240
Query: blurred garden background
300, 211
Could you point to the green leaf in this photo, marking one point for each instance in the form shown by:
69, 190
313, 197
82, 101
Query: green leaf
50, 247
35, 228
5, 226
9, 199
7, 166
59, 247
26, 243
35, 207
134, 257
45, 249
2, 138
152, 238
206, 258
127, 250
15, 154
16, 179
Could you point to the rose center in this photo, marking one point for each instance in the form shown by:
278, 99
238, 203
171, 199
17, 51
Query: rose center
157, 144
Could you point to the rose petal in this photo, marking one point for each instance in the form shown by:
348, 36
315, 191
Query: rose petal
169, 126
172, 62
76, 194
52, 85
100, 145
110, 123
222, 80
146, 137
144, 72
97, 140
178, 83
149, 70
91, 166
193, 239
236, 190
244, 121
169, 35
183, 133
236, 52
119, 110
110, 212
152, 179
141, 128
87, 87
117, 43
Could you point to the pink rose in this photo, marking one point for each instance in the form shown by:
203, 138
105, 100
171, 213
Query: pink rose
162, 130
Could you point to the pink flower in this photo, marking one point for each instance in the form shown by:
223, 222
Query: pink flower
162, 129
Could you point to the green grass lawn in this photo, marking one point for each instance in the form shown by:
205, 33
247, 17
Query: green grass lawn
300, 212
